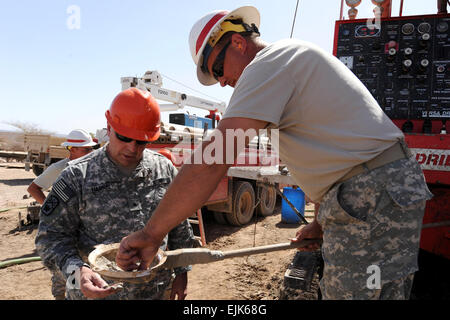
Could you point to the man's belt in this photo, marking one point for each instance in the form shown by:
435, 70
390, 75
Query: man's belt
396, 152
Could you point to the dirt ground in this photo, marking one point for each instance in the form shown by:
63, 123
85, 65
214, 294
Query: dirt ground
254, 277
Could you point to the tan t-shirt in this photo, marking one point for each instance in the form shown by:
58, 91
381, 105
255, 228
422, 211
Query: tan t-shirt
49, 176
328, 121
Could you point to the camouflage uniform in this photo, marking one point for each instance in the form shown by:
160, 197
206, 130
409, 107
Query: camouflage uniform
373, 219
92, 202
58, 284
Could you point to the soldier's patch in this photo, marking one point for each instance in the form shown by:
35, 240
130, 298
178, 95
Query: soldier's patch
63, 190
49, 205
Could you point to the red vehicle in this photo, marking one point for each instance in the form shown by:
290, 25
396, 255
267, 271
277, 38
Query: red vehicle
405, 62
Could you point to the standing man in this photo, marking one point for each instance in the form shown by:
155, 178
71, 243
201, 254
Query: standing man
108, 194
79, 143
340, 147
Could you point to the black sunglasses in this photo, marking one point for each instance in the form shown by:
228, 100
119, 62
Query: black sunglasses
217, 68
127, 140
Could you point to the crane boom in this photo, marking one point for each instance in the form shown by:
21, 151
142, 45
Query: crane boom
151, 81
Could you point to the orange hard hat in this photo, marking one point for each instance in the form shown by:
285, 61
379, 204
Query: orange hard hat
167, 154
135, 114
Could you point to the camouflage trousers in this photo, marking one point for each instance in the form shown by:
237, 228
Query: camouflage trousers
58, 285
371, 232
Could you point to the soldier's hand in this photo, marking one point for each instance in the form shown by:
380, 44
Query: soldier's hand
137, 247
93, 286
309, 231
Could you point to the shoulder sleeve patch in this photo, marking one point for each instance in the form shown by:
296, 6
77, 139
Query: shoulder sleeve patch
49, 205
63, 190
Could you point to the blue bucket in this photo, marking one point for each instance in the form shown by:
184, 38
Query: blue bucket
297, 198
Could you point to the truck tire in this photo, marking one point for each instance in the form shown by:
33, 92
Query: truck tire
37, 170
243, 204
267, 197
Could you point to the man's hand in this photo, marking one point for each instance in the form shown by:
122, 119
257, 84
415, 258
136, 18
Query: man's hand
309, 231
137, 247
179, 287
93, 286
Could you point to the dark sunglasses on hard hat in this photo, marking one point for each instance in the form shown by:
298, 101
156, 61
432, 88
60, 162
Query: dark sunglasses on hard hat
217, 67
127, 140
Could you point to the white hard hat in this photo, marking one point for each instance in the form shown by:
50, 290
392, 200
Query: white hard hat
208, 27
79, 138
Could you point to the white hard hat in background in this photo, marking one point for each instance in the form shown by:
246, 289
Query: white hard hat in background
209, 25
79, 138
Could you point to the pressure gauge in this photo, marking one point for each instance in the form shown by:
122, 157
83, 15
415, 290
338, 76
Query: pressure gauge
408, 28
424, 27
442, 26
353, 3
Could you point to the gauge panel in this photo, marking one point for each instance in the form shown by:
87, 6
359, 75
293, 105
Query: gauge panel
404, 63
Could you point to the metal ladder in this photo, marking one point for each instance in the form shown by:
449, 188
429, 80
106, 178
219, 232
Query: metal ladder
198, 220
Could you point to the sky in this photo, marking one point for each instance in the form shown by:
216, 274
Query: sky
61, 61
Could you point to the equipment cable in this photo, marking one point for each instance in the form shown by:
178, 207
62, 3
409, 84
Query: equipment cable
182, 84
295, 15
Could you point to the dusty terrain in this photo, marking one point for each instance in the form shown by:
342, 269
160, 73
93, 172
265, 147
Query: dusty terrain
253, 277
